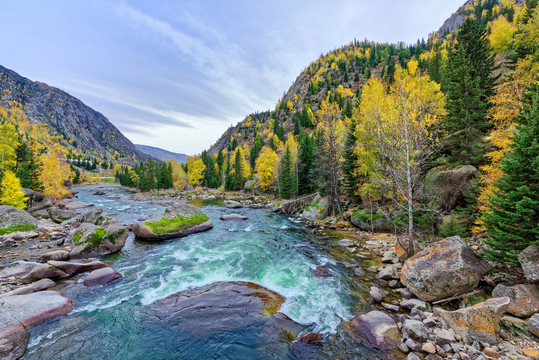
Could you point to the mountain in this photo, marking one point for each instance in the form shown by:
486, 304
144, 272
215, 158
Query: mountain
88, 130
161, 154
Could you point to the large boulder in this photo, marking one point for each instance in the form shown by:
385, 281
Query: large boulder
529, 260
366, 221
39, 285
480, 322
36, 201
377, 329
19, 313
13, 219
76, 267
59, 215
445, 190
101, 277
214, 308
91, 216
317, 210
27, 271
524, 298
276, 335
90, 240
450, 267
177, 221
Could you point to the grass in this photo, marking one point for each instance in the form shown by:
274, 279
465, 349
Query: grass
363, 215
175, 224
14, 228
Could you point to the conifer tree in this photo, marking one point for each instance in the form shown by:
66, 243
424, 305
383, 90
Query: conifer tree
512, 220
11, 191
306, 164
287, 175
350, 160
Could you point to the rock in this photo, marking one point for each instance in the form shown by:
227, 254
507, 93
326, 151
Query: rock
415, 330
101, 276
515, 325
19, 313
390, 272
231, 204
530, 353
414, 304
377, 329
529, 260
99, 193
72, 205
445, 189
362, 220
345, 243
317, 210
177, 221
444, 337
490, 352
59, 215
412, 356
58, 255
39, 285
429, 348
76, 267
91, 216
307, 346
524, 298
277, 333
450, 267
322, 271
233, 217
390, 257
13, 219
391, 307
214, 308
90, 240
401, 248
36, 201
27, 271
359, 272
412, 344
480, 322
533, 324
377, 294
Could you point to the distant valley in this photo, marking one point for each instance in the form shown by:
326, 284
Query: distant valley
161, 154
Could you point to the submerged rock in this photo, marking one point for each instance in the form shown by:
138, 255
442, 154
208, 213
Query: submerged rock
322, 271
233, 217
90, 240
214, 308
177, 221
450, 267
377, 329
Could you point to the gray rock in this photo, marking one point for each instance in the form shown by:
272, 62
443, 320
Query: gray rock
377, 294
524, 298
59, 215
58, 255
390, 257
414, 345
362, 221
445, 189
415, 330
533, 324
233, 217
27, 271
76, 267
231, 204
450, 267
412, 356
390, 272
414, 304
10, 216
345, 243
322, 271
91, 216
391, 307
90, 240
39, 285
317, 210
529, 260
444, 337
101, 276
359, 272
377, 329
36, 201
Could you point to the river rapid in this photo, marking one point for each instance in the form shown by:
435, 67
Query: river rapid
268, 249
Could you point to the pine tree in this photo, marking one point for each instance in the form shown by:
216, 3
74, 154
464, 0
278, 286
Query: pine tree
350, 160
28, 169
11, 191
306, 164
512, 220
287, 175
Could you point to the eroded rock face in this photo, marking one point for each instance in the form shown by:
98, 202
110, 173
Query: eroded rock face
377, 329
36, 201
533, 325
480, 322
90, 240
27, 271
214, 308
524, 298
450, 267
143, 229
445, 189
529, 260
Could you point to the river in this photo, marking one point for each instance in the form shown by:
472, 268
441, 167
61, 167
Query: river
268, 249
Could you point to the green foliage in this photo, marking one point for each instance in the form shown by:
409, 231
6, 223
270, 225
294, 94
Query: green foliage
15, 228
306, 165
175, 224
287, 176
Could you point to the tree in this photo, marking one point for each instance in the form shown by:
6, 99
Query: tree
501, 32
11, 191
195, 170
287, 174
54, 175
306, 164
351, 180
242, 170
179, 177
267, 166
28, 169
9, 141
513, 216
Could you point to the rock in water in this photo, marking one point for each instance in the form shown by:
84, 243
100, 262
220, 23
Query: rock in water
214, 308
524, 298
450, 267
101, 276
480, 322
75, 267
177, 221
377, 329
233, 217
90, 240
529, 260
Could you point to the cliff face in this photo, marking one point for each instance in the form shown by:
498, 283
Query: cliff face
67, 115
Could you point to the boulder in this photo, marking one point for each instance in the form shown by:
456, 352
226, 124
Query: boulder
377, 294
322, 271
13, 219
91, 216
276, 335
58, 255
345, 243
317, 210
76, 267
177, 221
101, 276
27, 271
307, 346
533, 324
233, 217
415, 330
445, 189
376, 329
480, 322
362, 220
90, 240
214, 308
231, 204
524, 298
390, 272
529, 260
39, 285
72, 205
36, 201
450, 267
59, 215
19, 313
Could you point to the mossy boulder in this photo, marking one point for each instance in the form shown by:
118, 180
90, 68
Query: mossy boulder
177, 221
13, 219
445, 190
366, 221
317, 210
90, 240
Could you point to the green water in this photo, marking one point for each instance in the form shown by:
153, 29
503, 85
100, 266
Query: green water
268, 249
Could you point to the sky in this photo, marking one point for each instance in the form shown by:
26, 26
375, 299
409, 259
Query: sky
176, 74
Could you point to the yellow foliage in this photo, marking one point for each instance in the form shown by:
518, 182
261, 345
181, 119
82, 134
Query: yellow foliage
412, 67
267, 168
295, 98
11, 191
9, 142
501, 33
195, 170
53, 176
290, 105
179, 177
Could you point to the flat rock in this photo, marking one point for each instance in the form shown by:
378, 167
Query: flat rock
524, 298
529, 260
480, 322
10, 216
345, 243
376, 329
233, 217
60, 215
76, 267
27, 271
91, 216
414, 329
101, 276
450, 267
231, 204
39, 285
73, 205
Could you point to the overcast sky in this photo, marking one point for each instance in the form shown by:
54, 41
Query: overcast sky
176, 74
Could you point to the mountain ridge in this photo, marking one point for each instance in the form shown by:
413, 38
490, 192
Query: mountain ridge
161, 154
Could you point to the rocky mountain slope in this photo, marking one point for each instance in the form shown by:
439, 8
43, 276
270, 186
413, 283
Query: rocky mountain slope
88, 130
161, 154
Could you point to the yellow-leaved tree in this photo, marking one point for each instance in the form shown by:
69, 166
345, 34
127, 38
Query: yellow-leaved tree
267, 168
179, 177
501, 33
11, 191
54, 175
195, 170
9, 141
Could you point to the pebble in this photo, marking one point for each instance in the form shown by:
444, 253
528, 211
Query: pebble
490, 352
429, 348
